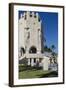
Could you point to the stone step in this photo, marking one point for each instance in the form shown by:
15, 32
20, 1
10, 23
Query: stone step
32, 56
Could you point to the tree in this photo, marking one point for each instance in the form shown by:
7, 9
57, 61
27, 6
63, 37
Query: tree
53, 48
49, 50
54, 56
45, 48
53, 53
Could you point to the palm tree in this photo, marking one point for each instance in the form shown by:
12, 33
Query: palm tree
49, 50
53, 48
45, 48
53, 53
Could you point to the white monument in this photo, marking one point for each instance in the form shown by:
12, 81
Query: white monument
30, 40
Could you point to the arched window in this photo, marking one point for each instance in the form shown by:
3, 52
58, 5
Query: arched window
33, 49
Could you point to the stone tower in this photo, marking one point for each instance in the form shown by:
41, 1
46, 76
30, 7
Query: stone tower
30, 32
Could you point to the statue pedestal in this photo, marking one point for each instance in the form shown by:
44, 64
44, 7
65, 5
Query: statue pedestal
45, 63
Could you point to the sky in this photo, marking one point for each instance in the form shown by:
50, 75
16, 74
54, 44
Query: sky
50, 27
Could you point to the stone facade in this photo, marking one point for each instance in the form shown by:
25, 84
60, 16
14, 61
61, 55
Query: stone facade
30, 32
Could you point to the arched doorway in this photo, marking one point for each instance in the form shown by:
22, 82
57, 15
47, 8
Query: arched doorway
33, 49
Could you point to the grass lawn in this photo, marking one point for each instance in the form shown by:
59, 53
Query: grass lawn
31, 72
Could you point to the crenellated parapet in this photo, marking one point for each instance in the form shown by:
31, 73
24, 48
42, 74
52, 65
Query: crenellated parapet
26, 15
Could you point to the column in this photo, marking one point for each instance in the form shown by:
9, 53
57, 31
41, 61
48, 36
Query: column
28, 61
37, 59
32, 62
37, 62
45, 63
